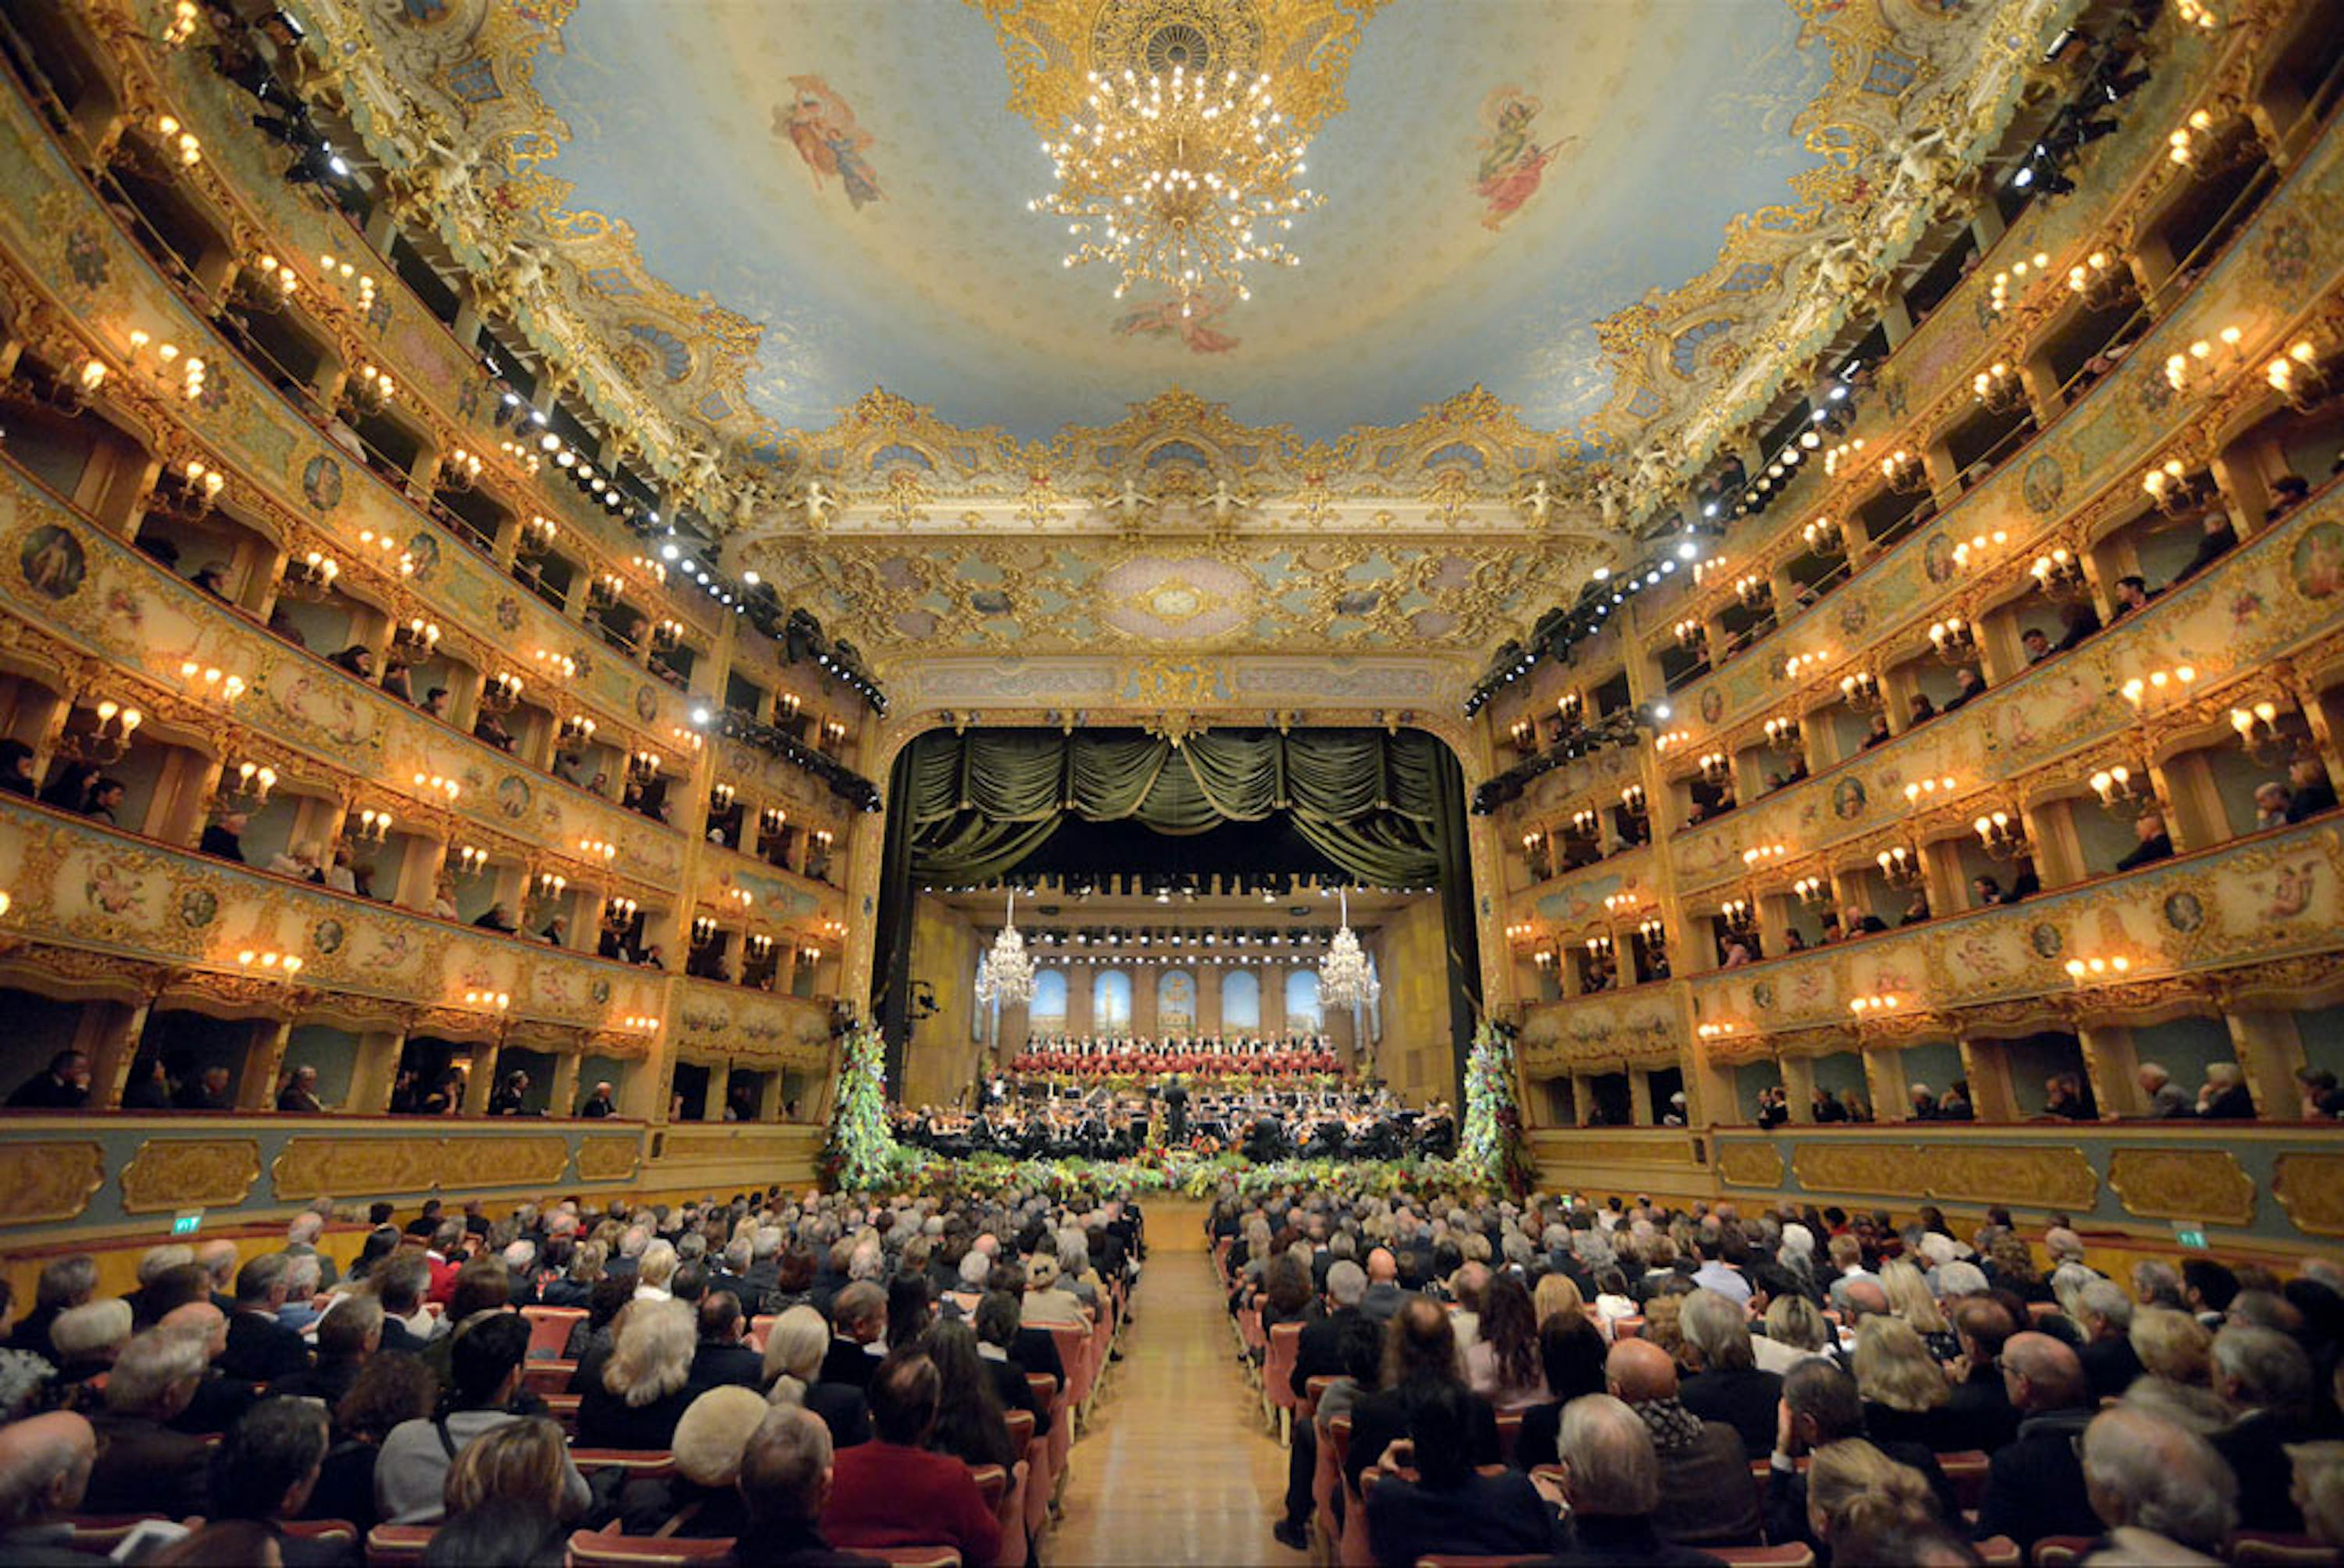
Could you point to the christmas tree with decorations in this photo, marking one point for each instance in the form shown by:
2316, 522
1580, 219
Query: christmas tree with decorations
861, 1152
1492, 1144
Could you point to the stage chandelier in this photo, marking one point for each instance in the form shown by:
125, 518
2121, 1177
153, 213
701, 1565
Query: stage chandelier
1178, 182
1344, 977
1007, 975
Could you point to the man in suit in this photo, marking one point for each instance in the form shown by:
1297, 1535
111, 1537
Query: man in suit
261, 1348
44, 1464
730, 1272
143, 1466
348, 1336
1980, 1400
1821, 1405
219, 1401
721, 1357
2110, 1363
856, 1320
301, 1235
1383, 1296
787, 1472
1704, 1475
2035, 1486
1318, 1353
2269, 1379
401, 1281
1612, 1484
1729, 1388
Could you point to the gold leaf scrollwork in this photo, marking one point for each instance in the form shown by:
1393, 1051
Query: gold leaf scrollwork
1750, 1164
2049, 1175
608, 1159
170, 1173
2182, 1184
48, 1181
2310, 1188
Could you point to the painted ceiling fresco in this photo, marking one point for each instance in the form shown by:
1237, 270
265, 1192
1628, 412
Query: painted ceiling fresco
1589, 207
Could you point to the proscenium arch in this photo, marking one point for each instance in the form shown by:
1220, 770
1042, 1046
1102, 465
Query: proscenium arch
1463, 848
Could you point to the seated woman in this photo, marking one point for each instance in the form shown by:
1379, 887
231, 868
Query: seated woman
1503, 1362
1447, 1506
644, 1388
1906, 1397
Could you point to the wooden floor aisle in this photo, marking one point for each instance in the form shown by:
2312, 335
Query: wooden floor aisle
1177, 1468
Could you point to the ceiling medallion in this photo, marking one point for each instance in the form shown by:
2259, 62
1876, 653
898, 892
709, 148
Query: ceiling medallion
1179, 179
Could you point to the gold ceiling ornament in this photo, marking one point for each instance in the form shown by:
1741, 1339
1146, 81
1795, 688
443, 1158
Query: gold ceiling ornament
1180, 181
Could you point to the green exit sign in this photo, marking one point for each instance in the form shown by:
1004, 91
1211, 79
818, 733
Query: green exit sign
2192, 1238
186, 1222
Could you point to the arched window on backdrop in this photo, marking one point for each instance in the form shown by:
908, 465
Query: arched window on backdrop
1111, 1003
980, 1014
1376, 1007
1175, 1003
1302, 1014
1240, 1001
1048, 1014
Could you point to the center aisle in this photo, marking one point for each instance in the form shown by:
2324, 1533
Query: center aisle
1179, 1467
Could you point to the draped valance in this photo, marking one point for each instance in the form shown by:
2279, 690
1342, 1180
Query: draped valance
979, 804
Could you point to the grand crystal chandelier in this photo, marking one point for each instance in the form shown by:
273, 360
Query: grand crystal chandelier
1007, 973
1179, 182
1344, 977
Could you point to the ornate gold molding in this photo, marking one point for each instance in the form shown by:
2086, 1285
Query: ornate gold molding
2310, 1188
609, 1159
48, 1181
2182, 1184
2046, 1175
1750, 1164
190, 1173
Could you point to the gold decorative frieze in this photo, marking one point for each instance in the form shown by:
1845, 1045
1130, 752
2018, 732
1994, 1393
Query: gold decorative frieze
170, 1173
320, 1167
2310, 1188
50, 1181
1750, 1164
2036, 1175
2203, 1184
608, 1157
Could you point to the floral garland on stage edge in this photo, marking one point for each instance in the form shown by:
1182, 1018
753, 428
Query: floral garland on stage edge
1180, 1173
861, 1154
1493, 1146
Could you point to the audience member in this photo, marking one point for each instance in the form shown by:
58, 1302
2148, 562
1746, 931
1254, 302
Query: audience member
1706, 1497
892, 1492
788, 1475
1424, 1495
1612, 1482
2163, 1493
141, 1465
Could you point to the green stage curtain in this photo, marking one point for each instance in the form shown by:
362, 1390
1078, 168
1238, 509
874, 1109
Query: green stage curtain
1369, 801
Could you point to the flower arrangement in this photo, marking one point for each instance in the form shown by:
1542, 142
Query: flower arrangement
1493, 1147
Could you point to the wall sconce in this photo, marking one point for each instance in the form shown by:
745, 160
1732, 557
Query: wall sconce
1954, 638
1619, 904
182, 26
2013, 279
2298, 377
1928, 791
833, 731
720, 797
2003, 834
1716, 1031
1715, 767
643, 766
311, 576
269, 965
606, 589
489, 1001
357, 284
1544, 958
1843, 455
1976, 548
639, 1022
597, 849
210, 682
1634, 801
501, 693
1783, 734
1523, 736
470, 860
2100, 280
188, 491
2158, 685
1518, 932
2189, 144
385, 544
1900, 865
562, 663
1904, 472
790, 701
1763, 853
620, 912
2058, 574
1754, 591
666, 635
2206, 357
551, 886
417, 636
1568, 707
1999, 387
265, 285
2198, 15
253, 782
772, 819
1668, 740
371, 390
525, 453
2257, 728
1736, 914
433, 784
1861, 691
1583, 823
2170, 486
2123, 791
373, 826
1654, 932
107, 740
1875, 1003
760, 947
69, 395
179, 141
703, 929
1690, 635
577, 730
537, 536
1799, 664
459, 470
1823, 536
2096, 970
822, 837
1811, 890
1599, 947
170, 366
